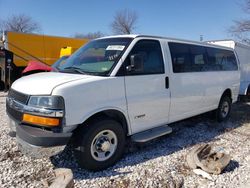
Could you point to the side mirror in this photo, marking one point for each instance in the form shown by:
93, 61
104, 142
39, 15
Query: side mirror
136, 63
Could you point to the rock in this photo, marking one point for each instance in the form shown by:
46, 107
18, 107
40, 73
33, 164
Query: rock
208, 160
202, 173
64, 179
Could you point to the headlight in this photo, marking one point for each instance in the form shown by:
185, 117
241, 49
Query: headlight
51, 102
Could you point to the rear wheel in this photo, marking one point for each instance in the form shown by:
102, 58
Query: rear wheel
224, 109
100, 144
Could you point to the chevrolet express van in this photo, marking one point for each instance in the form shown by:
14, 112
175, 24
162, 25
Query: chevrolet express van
120, 87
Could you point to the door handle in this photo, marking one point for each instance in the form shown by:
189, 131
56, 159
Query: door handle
167, 82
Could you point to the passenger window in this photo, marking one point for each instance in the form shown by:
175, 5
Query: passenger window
219, 59
194, 58
199, 59
231, 62
180, 57
197, 54
187, 58
151, 52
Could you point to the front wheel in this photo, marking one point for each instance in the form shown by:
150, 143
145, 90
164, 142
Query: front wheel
101, 144
224, 109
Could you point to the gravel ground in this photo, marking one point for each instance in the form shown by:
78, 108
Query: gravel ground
159, 163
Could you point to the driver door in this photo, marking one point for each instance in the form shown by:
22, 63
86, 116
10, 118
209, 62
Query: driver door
147, 92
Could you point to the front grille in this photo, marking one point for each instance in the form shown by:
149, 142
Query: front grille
17, 96
18, 116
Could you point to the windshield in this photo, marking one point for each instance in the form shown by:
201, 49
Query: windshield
60, 62
98, 57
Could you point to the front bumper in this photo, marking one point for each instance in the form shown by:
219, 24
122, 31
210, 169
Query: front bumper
36, 142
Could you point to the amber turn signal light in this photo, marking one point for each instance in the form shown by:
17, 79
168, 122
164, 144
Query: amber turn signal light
37, 120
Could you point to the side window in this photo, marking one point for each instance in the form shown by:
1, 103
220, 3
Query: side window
219, 59
151, 52
180, 57
213, 62
230, 62
194, 58
198, 58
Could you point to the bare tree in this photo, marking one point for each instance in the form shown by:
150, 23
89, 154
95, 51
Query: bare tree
241, 28
125, 22
20, 23
89, 35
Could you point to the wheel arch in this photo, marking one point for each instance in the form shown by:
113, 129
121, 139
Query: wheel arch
113, 113
227, 92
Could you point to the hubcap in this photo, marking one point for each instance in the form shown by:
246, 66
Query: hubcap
104, 145
224, 109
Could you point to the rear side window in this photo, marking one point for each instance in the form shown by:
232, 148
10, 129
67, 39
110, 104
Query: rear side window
194, 58
152, 57
221, 59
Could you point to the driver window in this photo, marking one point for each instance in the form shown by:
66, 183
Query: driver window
151, 52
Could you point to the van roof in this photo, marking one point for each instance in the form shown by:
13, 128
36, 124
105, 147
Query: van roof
168, 39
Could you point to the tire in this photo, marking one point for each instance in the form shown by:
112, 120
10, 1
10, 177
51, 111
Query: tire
224, 109
100, 144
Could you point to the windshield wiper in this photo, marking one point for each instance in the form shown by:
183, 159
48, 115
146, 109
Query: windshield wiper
75, 69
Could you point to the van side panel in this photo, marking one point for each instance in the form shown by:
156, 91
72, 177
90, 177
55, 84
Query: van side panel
196, 93
193, 93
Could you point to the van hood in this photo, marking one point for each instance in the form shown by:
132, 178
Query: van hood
44, 83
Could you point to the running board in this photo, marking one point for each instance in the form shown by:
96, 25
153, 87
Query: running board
151, 134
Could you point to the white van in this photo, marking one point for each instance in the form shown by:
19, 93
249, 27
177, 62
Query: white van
120, 87
243, 54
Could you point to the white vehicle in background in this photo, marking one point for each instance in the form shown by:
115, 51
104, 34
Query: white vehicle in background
117, 88
243, 54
